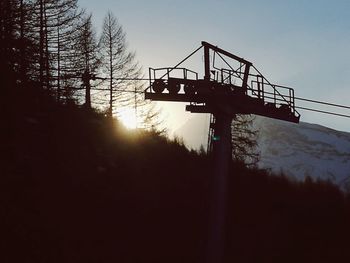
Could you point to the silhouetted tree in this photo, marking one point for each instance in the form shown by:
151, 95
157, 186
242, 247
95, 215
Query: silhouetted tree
42, 49
119, 64
87, 59
55, 26
7, 37
17, 46
65, 22
122, 71
244, 140
26, 47
28, 42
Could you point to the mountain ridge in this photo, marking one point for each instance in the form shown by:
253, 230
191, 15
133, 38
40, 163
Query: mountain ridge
296, 150
304, 150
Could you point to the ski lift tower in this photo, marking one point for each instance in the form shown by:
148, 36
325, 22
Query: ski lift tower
236, 88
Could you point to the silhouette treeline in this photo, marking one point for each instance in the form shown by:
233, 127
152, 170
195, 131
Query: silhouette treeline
52, 44
75, 186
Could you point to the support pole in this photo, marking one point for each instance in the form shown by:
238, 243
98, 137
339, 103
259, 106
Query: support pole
219, 189
86, 80
206, 63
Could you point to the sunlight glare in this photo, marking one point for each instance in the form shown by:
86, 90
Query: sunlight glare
128, 118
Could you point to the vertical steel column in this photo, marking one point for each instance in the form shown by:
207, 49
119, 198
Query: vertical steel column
245, 77
258, 86
206, 63
219, 189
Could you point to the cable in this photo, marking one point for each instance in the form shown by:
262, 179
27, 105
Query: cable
315, 110
325, 112
297, 98
324, 103
310, 100
238, 74
182, 61
128, 79
307, 100
274, 86
100, 78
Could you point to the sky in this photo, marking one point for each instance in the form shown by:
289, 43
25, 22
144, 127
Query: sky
303, 44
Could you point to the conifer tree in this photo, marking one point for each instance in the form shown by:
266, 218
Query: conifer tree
53, 25
7, 39
122, 71
26, 44
16, 43
118, 64
65, 21
244, 140
87, 60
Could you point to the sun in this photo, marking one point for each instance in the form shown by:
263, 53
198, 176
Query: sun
128, 117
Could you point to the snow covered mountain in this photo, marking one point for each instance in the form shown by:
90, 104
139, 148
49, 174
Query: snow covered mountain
297, 150
304, 149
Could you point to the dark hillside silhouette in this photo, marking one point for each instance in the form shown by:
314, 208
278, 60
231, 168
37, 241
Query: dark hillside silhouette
76, 187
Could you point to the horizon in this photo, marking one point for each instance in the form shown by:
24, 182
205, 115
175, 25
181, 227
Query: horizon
296, 44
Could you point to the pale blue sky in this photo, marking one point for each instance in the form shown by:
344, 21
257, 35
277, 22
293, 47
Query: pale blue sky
302, 44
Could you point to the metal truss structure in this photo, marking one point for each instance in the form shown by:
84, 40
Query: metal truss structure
240, 90
235, 87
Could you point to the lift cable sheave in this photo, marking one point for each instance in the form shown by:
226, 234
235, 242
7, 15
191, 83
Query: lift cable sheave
237, 88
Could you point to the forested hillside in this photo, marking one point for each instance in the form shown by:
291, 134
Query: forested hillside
76, 186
